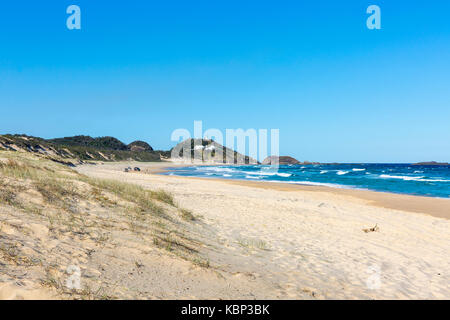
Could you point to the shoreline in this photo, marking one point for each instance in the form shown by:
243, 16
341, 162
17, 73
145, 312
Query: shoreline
434, 206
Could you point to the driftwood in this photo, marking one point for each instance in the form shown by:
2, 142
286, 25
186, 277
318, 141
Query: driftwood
374, 229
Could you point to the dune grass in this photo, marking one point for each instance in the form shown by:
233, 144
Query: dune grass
104, 213
7, 195
133, 193
62, 189
163, 196
187, 215
60, 183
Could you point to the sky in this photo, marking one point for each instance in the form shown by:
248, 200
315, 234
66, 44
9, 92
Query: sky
337, 91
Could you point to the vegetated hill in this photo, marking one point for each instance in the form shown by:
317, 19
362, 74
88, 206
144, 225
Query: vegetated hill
139, 146
208, 151
106, 143
80, 148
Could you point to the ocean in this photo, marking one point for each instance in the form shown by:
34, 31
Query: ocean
431, 181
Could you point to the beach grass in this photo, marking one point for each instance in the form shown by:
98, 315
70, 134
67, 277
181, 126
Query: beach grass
187, 215
59, 193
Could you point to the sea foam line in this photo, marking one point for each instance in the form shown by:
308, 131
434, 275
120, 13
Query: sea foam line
409, 178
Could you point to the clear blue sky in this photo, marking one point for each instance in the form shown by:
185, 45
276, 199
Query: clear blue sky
140, 69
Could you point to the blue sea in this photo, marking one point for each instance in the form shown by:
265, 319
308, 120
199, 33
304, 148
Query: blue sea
431, 181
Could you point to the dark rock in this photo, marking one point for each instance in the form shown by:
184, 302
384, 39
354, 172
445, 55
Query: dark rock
431, 163
282, 160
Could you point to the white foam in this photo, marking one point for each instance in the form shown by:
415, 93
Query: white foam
285, 175
268, 173
406, 178
261, 173
323, 171
340, 173
356, 169
310, 183
409, 178
215, 169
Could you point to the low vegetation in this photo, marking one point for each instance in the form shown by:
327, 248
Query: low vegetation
187, 215
69, 204
82, 148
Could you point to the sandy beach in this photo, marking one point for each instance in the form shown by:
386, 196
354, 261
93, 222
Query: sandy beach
181, 152
275, 241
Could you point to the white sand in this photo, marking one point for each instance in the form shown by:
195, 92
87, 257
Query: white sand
293, 243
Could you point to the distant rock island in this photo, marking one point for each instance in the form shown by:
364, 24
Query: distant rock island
284, 160
431, 163
281, 160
